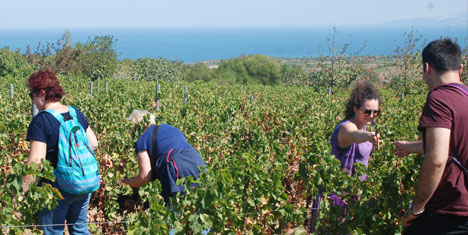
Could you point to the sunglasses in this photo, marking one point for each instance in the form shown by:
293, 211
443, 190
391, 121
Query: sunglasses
31, 95
368, 112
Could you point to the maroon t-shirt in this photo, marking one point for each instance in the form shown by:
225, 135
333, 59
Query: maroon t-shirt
447, 107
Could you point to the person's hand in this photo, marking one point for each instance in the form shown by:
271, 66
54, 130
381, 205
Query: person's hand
401, 148
409, 218
123, 181
375, 138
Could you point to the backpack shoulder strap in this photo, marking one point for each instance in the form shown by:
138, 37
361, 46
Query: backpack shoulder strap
153, 156
458, 86
458, 163
56, 114
72, 112
452, 155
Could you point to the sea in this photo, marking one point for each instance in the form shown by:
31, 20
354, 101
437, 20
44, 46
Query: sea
191, 45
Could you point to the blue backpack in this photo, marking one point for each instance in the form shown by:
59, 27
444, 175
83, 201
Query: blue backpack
77, 170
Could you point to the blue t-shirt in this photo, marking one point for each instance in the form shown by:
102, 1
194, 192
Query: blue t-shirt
45, 128
168, 138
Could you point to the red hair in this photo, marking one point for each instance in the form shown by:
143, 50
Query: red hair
47, 81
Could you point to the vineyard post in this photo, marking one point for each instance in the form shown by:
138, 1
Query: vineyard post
11, 91
329, 91
91, 88
98, 86
251, 99
402, 95
34, 110
185, 94
158, 88
107, 87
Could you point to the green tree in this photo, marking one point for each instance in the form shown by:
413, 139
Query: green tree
198, 72
12, 63
98, 57
151, 69
293, 74
256, 69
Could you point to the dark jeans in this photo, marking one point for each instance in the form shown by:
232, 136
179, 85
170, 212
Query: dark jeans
438, 224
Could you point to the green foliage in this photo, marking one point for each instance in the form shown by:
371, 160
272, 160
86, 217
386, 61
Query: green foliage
98, 57
265, 160
252, 69
94, 59
152, 69
13, 64
197, 72
293, 74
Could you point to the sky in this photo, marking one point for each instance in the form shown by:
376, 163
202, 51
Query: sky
219, 13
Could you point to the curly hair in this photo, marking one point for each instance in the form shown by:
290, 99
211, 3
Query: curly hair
362, 91
47, 81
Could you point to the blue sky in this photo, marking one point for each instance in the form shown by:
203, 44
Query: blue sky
219, 13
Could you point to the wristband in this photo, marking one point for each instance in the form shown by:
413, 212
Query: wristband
415, 213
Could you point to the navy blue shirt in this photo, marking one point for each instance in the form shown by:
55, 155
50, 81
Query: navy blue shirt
168, 137
45, 128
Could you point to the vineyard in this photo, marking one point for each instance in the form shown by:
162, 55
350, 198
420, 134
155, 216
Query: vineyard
266, 148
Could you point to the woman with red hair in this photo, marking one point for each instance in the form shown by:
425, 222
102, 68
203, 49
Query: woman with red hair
43, 133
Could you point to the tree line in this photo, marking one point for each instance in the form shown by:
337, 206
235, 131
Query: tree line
335, 69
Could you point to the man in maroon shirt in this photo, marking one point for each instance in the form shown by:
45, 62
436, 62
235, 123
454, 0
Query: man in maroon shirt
440, 205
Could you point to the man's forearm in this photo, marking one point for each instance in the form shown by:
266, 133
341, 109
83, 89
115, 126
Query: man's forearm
416, 147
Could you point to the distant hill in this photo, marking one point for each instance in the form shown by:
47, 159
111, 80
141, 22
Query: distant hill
457, 20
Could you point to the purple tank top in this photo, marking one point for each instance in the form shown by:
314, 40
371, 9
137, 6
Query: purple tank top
354, 153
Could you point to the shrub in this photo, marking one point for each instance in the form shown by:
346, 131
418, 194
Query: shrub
151, 69
13, 64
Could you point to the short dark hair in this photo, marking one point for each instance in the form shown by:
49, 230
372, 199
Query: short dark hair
362, 91
48, 82
443, 55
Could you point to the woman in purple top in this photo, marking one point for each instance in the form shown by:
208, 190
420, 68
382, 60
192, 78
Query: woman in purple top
350, 141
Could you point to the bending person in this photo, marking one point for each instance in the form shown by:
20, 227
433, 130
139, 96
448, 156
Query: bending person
170, 159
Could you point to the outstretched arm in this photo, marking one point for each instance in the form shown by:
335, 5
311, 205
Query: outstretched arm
349, 134
403, 148
144, 175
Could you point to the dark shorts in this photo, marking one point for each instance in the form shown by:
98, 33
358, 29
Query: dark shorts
438, 224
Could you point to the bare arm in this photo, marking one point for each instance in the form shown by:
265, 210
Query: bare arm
92, 138
403, 148
433, 166
37, 153
144, 176
349, 134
